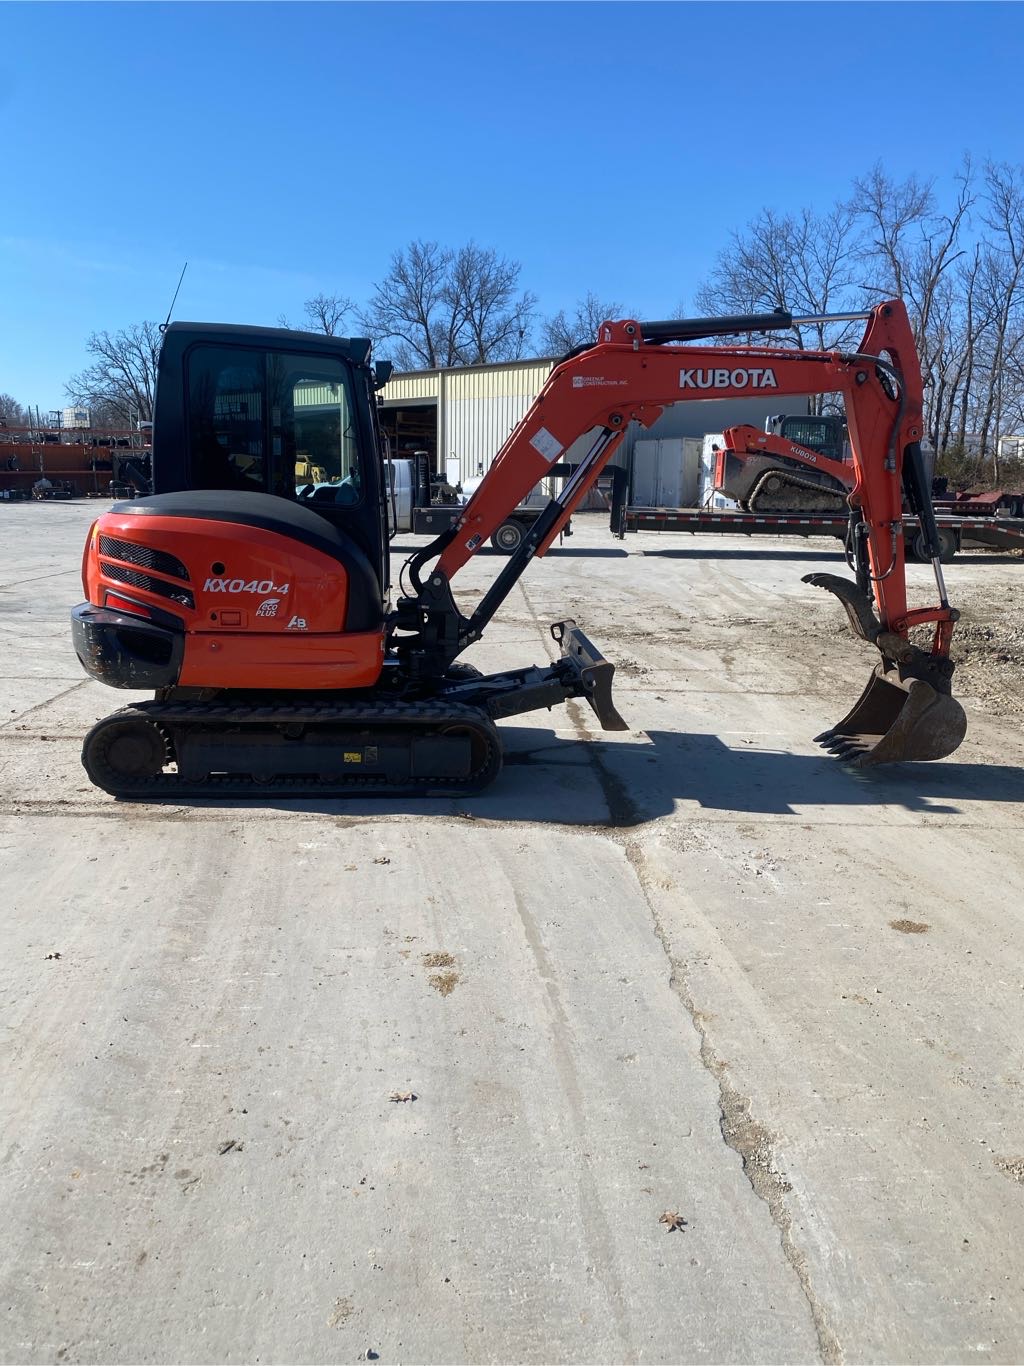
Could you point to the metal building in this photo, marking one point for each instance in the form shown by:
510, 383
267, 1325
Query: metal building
461, 416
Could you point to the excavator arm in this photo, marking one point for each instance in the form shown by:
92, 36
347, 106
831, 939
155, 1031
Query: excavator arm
636, 370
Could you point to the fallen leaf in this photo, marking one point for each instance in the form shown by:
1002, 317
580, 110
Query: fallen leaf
382, 860
402, 1095
672, 1220
231, 1144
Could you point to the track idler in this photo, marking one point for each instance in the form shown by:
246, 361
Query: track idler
907, 711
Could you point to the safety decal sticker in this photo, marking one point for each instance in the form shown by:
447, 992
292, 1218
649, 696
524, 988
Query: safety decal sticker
547, 445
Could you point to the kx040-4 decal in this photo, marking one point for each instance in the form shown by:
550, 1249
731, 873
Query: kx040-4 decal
261, 586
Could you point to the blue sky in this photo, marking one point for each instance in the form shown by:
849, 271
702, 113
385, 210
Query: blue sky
283, 149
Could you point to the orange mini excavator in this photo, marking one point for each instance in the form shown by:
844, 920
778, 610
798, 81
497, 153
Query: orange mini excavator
252, 594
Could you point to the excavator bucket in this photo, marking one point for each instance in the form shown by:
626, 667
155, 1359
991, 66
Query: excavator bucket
907, 711
896, 721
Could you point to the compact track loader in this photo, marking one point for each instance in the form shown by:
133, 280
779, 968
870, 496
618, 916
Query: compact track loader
768, 472
250, 592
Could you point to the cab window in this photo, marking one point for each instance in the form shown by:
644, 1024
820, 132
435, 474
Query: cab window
272, 422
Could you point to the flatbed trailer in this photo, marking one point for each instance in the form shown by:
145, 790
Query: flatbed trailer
431, 521
1003, 533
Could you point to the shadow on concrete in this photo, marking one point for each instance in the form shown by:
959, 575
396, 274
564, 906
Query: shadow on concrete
756, 552
552, 779
751, 552
980, 557
581, 552
589, 552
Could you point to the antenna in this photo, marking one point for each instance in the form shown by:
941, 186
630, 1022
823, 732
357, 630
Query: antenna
163, 325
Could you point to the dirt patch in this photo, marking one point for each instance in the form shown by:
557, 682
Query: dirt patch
910, 926
438, 960
1013, 1167
341, 1313
988, 646
628, 667
444, 982
988, 650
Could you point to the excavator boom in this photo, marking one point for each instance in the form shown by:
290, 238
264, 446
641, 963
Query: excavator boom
631, 375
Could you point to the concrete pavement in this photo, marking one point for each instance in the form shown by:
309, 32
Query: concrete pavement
696, 969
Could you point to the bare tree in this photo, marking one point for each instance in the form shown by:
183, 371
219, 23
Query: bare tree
957, 323
12, 414
407, 308
324, 313
799, 263
957, 261
1004, 281
909, 246
438, 307
561, 333
483, 294
122, 379
893, 213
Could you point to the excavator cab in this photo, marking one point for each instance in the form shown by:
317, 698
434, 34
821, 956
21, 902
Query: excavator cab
265, 536
276, 412
824, 433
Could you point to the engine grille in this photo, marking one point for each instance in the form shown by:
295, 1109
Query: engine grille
143, 555
137, 579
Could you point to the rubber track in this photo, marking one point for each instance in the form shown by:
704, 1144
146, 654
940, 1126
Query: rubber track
834, 499
427, 717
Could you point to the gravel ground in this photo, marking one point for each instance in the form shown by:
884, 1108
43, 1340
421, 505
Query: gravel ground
989, 643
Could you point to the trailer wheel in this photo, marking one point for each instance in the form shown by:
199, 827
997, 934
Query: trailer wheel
947, 546
508, 537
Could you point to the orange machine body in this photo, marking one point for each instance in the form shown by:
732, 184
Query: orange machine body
745, 440
258, 609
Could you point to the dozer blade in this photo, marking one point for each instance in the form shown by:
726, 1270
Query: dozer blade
591, 670
895, 722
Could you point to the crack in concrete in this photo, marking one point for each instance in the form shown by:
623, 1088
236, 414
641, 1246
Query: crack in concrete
746, 1136
40, 706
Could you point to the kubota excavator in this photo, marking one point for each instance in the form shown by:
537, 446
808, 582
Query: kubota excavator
254, 599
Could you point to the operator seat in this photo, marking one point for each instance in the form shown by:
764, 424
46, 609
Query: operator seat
364, 610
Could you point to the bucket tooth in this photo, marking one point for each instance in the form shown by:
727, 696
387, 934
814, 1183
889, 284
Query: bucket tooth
897, 720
